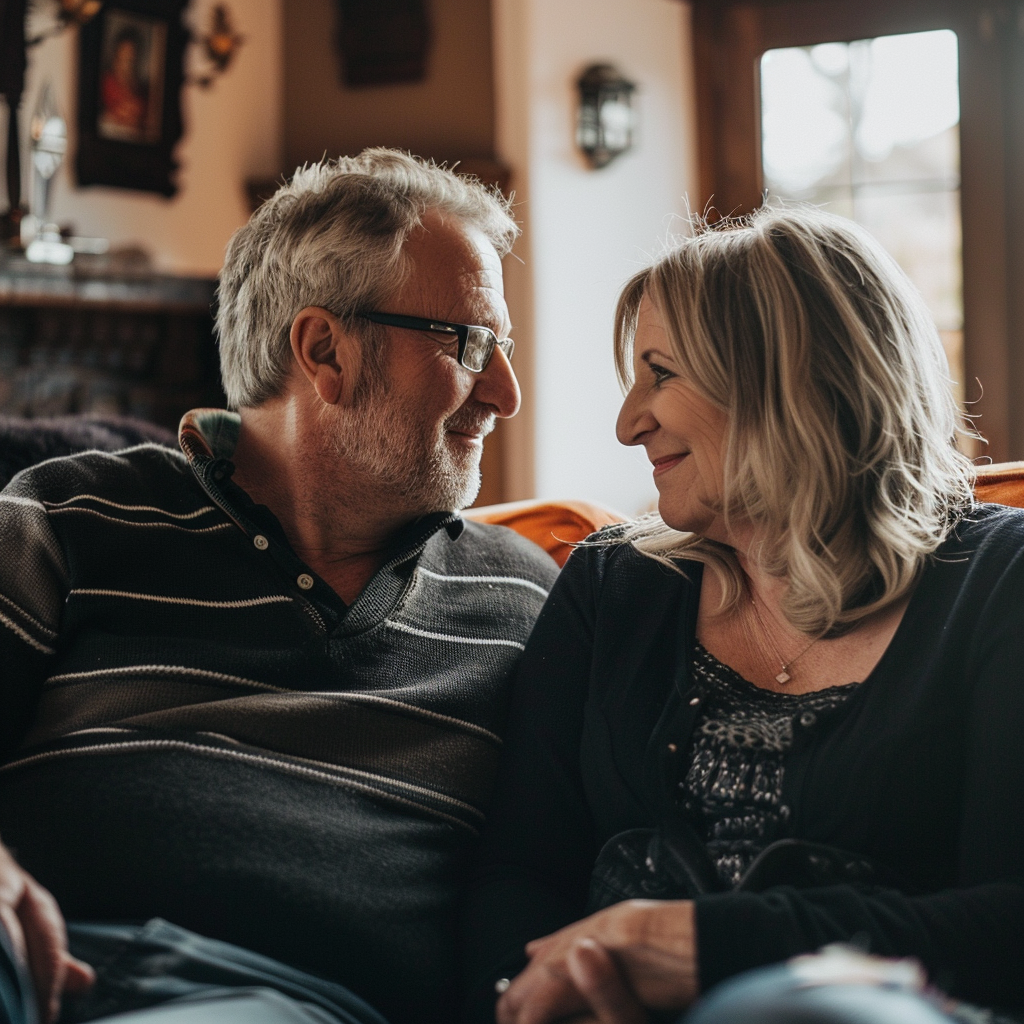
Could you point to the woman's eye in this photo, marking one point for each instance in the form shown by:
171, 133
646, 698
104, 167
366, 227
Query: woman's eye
661, 374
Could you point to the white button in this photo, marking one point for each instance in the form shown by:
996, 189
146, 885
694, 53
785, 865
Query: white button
807, 719
672, 748
261, 542
305, 581
694, 701
501, 985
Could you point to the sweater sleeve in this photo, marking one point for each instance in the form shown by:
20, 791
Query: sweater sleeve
33, 587
971, 937
538, 847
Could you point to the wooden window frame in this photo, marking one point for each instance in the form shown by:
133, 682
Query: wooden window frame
729, 38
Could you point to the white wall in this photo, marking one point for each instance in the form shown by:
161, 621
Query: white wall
232, 132
586, 231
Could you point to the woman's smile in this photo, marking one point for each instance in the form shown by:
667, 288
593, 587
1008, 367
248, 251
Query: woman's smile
666, 462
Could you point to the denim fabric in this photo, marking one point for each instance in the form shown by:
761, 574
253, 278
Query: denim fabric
774, 995
139, 966
17, 1003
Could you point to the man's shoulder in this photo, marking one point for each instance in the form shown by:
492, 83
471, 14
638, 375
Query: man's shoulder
145, 473
486, 550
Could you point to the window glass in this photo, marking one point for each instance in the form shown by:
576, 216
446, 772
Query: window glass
870, 130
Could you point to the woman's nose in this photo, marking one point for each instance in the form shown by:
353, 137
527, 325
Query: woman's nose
634, 420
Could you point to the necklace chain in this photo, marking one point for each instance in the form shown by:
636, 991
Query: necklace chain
784, 676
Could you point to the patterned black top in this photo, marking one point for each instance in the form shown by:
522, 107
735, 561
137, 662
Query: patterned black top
733, 788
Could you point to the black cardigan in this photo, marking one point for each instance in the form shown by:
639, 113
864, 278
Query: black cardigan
921, 770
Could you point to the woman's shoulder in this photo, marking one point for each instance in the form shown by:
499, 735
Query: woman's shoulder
608, 558
983, 553
992, 530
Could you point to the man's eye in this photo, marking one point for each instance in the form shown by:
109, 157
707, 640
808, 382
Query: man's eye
446, 339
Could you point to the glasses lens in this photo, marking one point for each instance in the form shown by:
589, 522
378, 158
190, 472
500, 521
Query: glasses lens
479, 346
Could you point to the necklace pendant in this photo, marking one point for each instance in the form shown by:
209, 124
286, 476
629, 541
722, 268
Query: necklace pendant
783, 677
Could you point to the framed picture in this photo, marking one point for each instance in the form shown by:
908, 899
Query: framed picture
129, 96
382, 42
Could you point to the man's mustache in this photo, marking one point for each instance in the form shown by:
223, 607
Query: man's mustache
466, 421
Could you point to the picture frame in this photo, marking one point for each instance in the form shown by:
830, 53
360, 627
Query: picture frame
131, 73
383, 42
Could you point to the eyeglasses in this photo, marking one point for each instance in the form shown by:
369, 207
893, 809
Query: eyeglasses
476, 344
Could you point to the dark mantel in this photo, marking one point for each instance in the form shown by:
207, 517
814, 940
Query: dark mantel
86, 338
26, 284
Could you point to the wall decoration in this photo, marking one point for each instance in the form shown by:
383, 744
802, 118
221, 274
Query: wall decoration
129, 101
218, 45
383, 41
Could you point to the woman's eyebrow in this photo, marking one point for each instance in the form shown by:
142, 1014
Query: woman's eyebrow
654, 353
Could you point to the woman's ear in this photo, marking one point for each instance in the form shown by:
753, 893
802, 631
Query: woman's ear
329, 356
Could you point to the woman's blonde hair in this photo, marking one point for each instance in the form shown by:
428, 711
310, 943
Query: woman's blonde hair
840, 446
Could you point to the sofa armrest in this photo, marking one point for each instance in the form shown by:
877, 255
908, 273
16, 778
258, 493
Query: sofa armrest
553, 525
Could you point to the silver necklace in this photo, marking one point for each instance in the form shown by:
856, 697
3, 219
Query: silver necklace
785, 675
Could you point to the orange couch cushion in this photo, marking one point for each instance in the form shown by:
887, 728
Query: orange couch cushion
554, 525
1001, 483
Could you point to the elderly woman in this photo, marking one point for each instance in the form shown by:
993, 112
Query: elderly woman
788, 708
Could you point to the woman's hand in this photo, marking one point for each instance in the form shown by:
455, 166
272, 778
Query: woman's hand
653, 945
34, 923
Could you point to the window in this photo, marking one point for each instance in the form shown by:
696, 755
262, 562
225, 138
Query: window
894, 166
871, 130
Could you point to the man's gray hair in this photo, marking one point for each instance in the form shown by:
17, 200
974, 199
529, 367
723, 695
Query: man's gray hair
332, 237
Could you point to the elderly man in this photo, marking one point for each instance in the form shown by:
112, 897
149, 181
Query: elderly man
254, 689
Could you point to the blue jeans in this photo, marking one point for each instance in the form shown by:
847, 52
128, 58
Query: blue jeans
774, 995
173, 976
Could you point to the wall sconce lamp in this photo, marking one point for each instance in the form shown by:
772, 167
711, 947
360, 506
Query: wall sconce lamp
604, 124
69, 12
219, 46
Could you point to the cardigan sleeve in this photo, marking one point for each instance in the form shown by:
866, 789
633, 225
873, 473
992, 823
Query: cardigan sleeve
33, 587
971, 937
538, 848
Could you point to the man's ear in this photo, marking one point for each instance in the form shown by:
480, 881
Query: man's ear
329, 356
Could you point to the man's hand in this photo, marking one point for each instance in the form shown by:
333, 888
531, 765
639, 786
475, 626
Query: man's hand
36, 929
641, 953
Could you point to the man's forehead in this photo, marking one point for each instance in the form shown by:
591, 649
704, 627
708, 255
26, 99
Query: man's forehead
451, 247
454, 271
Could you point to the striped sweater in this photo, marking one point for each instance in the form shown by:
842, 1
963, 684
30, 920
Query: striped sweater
194, 726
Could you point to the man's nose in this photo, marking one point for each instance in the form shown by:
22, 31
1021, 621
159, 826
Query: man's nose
496, 385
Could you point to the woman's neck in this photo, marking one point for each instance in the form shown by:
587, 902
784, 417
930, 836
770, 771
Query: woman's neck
757, 640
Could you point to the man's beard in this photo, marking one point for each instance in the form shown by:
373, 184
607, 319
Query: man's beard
415, 466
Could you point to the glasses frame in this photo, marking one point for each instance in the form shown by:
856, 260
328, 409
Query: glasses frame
461, 332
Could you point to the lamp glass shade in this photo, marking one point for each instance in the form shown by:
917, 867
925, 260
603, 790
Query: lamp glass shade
605, 121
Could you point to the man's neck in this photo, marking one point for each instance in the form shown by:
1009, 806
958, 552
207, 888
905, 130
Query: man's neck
334, 520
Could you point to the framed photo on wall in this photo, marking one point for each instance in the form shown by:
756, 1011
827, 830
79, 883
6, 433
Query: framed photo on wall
129, 95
